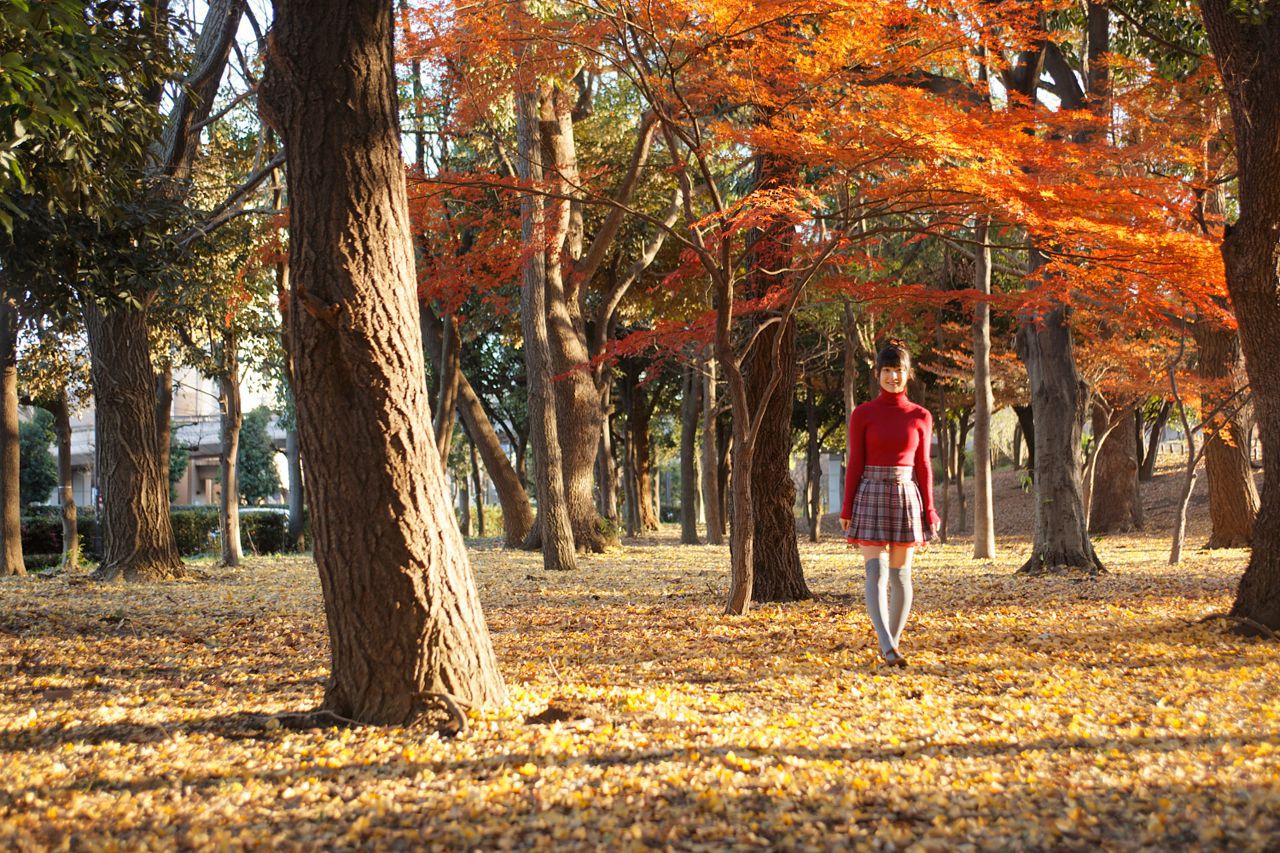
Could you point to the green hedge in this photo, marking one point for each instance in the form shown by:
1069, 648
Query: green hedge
195, 530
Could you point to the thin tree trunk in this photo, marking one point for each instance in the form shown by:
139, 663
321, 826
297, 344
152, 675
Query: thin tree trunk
10, 447
690, 406
608, 473
66, 485
1017, 446
404, 616
710, 457
554, 526
478, 485
945, 442
232, 419
297, 494
984, 529
962, 441
1188, 477
517, 512
137, 541
449, 371
1058, 399
164, 419
813, 465
1148, 470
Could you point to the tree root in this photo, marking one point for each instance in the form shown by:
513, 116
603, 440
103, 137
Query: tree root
455, 725
1242, 622
425, 713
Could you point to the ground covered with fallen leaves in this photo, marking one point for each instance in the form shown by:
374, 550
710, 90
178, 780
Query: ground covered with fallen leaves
1061, 713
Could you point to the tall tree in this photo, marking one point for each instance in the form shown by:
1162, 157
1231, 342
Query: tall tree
1246, 43
402, 608
11, 562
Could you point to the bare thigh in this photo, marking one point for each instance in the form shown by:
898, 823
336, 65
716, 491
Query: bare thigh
872, 552
899, 555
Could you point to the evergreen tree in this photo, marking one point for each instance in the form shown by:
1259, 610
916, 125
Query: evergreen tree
39, 474
259, 478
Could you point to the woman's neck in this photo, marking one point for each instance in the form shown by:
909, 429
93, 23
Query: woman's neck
894, 398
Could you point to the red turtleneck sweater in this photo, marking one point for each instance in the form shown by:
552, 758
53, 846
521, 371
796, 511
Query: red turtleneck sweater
890, 430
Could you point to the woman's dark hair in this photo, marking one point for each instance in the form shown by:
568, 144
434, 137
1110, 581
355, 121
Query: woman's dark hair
893, 354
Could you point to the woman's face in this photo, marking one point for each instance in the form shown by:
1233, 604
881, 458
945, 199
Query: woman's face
894, 379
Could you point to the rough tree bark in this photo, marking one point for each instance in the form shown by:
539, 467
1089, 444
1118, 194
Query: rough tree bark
554, 527
137, 533
1058, 399
984, 529
232, 418
690, 405
11, 562
770, 375
1247, 49
404, 618
137, 542
1233, 496
1115, 501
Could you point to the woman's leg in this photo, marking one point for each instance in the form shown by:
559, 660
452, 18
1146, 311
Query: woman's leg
900, 591
877, 593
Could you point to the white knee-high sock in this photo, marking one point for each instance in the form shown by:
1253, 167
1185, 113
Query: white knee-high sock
877, 601
900, 596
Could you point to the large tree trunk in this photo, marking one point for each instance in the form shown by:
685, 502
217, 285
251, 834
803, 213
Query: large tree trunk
66, 487
984, 529
690, 406
1247, 49
228, 463
1233, 497
517, 512
770, 376
711, 501
137, 542
779, 576
577, 399
642, 457
1115, 502
553, 528
1058, 399
402, 609
11, 562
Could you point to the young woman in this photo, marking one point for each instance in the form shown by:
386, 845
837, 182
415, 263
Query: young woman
886, 511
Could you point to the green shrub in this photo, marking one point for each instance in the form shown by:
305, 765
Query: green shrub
264, 532
40, 562
193, 529
41, 534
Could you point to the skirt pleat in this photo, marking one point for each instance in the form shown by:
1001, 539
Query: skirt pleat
887, 508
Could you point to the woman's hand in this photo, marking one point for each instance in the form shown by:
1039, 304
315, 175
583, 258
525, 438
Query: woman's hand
844, 524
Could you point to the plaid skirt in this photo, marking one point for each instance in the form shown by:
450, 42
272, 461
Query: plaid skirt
887, 508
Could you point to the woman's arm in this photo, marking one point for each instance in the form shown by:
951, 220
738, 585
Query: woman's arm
856, 460
924, 471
